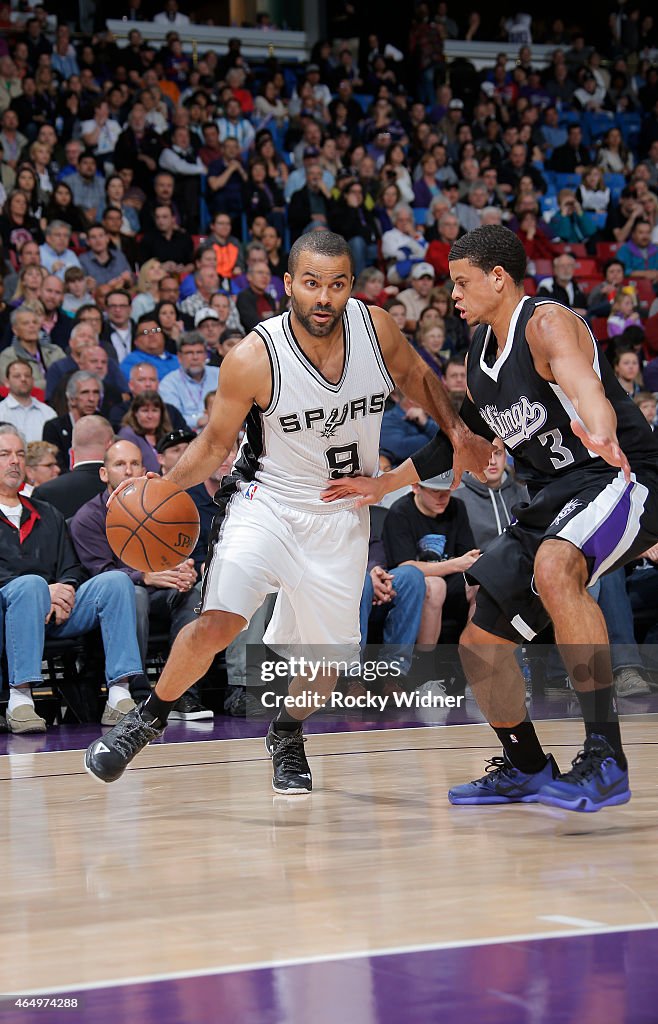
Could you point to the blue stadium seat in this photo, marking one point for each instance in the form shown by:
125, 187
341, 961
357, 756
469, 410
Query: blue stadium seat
420, 214
566, 180
596, 123
629, 125
364, 101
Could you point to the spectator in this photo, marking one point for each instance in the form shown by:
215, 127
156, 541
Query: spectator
370, 288
145, 424
448, 230
648, 405
151, 274
600, 298
76, 294
91, 437
593, 194
20, 407
405, 428
107, 266
13, 142
172, 322
489, 504
614, 157
354, 222
143, 377
431, 343
26, 325
404, 244
44, 594
55, 254
55, 326
40, 465
119, 330
277, 260
138, 147
186, 387
226, 181
571, 223
429, 530
416, 297
561, 286
623, 313
171, 16
149, 348
179, 157
100, 133
517, 166
168, 243
84, 393
454, 379
208, 324
309, 206
626, 365
639, 255
233, 125
87, 187
255, 303
207, 284
17, 225
167, 597
573, 157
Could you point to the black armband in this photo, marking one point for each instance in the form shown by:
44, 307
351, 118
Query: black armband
434, 457
471, 417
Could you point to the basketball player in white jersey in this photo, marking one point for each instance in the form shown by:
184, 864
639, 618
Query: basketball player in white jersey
590, 461
311, 385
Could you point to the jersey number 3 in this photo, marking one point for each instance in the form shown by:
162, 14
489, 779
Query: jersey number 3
343, 460
564, 456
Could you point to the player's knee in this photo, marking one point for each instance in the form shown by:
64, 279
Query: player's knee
436, 590
214, 630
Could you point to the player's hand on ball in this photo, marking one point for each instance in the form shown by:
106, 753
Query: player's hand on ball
606, 447
368, 490
126, 483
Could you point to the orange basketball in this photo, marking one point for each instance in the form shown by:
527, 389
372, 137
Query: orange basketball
152, 525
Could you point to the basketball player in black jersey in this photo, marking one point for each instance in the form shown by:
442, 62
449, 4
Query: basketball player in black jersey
590, 462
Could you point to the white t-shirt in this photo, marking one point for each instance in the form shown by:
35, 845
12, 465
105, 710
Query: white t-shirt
13, 514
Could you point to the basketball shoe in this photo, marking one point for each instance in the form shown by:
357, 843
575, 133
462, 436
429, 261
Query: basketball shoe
504, 784
595, 780
108, 757
292, 773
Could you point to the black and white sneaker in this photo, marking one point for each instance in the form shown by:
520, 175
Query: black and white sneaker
189, 709
292, 773
108, 757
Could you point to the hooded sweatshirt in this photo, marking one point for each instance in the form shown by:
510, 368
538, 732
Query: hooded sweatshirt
490, 511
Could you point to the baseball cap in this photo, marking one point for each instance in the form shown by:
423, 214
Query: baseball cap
488, 88
313, 67
422, 270
231, 332
205, 313
174, 437
442, 482
456, 105
311, 151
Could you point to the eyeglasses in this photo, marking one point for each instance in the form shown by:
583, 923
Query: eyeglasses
151, 330
45, 465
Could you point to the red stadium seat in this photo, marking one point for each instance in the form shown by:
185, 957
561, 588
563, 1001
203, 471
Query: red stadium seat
599, 325
645, 292
586, 267
529, 286
606, 250
586, 284
543, 268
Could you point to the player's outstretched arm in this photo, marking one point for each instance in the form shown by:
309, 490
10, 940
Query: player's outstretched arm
244, 378
415, 379
562, 352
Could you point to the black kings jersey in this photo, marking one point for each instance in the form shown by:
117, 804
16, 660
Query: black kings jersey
532, 416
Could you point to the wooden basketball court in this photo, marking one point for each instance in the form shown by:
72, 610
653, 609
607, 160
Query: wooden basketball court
192, 868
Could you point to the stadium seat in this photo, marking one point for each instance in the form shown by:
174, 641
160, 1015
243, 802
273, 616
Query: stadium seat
529, 286
596, 123
421, 214
587, 284
645, 292
606, 250
599, 325
586, 268
543, 268
365, 101
629, 124
566, 181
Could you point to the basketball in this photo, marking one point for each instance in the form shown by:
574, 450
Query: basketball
152, 525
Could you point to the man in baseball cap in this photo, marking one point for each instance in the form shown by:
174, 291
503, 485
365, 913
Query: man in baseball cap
417, 297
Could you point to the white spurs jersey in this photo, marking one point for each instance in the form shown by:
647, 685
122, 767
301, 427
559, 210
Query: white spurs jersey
313, 430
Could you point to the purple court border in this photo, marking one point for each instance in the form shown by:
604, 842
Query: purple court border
599, 978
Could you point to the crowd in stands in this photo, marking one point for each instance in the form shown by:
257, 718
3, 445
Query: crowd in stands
149, 196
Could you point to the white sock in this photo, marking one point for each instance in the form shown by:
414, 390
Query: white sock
19, 695
117, 692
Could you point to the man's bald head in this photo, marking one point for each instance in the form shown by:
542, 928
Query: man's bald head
122, 461
92, 435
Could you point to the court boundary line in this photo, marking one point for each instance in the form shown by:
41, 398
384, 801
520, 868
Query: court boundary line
256, 965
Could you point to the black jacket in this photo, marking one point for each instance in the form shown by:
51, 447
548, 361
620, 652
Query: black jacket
42, 547
59, 431
70, 491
